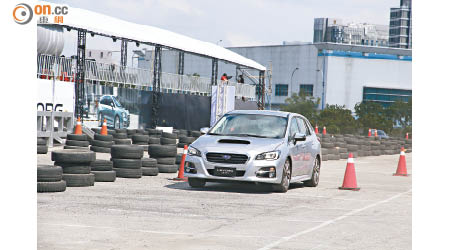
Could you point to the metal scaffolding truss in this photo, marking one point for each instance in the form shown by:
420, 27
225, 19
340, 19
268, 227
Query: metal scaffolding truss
215, 69
156, 91
260, 89
123, 53
79, 74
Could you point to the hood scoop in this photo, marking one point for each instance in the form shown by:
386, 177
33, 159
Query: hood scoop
231, 141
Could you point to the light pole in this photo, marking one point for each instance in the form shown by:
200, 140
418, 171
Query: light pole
290, 84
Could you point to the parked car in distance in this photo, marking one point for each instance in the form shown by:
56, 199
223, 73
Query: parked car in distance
111, 109
271, 147
380, 134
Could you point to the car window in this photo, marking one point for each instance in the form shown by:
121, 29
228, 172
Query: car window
302, 125
116, 102
294, 128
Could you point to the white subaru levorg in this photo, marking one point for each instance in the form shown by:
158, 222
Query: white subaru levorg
257, 146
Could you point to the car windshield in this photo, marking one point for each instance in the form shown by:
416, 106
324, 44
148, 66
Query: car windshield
117, 103
264, 126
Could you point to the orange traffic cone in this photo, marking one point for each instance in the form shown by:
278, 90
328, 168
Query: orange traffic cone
375, 132
78, 129
401, 167
316, 130
324, 131
407, 136
104, 130
181, 169
350, 175
370, 133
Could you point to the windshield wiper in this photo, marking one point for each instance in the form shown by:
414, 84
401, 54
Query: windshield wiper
250, 135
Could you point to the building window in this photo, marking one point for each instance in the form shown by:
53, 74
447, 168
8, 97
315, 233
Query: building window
281, 89
101, 54
90, 53
306, 89
384, 96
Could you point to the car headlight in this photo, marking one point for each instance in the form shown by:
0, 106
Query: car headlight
273, 155
194, 152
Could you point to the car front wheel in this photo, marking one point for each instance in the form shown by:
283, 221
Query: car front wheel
283, 187
196, 182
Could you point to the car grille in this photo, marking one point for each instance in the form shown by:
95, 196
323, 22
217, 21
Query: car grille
239, 173
226, 158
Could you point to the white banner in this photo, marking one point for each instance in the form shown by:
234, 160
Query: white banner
64, 95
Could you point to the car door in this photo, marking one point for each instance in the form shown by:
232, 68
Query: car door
307, 147
108, 110
295, 149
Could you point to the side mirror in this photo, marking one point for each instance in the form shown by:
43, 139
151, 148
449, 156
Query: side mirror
204, 130
299, 137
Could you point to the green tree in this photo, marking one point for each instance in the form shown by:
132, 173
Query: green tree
338, 120
302, 104
373, 115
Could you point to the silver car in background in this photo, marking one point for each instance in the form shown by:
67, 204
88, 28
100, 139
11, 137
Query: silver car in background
258, 146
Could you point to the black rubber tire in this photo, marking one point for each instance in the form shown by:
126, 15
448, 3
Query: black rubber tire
120, 136
154, 140
140, 143
41, 141
187, 140
196, 182
281, 188
324, 157
77, 148
74, 168
49, 173
131, 131
42, 149
77, 143
314, 181
104, 176
128, 173
178, 159
196, 134
127, 152
100, 149
140, 138
74, 137
159, 151
121, 130
343, 150
96, 130
50, 187
79, 180
167, 168
166, 160
122, 141
327, 145
101, 165
150, 171
168, 141
73, 156
111, 132
127, 163
100, 137
343, 155
168, 135
105, 144
181, 145
148, 162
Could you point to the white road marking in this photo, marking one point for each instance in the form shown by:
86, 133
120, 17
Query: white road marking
326, 223
162, 232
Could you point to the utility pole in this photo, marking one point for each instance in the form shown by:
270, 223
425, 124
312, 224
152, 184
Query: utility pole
270, 85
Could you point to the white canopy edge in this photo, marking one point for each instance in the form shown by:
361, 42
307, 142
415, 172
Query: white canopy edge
95, 22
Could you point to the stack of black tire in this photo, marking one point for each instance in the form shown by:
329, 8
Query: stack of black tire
127, 160
76, 167
42, 147
155, 133
121, 137
49, 179
165, 156
103, 171
168, 139
149, 167
185, 141
195, 134
102, 143
77, 142
141, 140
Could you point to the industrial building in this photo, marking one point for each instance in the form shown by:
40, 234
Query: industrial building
400, 26
336, 73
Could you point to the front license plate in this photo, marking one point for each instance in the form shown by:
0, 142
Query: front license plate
225, 172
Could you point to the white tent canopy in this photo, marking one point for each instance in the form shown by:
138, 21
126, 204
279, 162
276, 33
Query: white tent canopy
106, 25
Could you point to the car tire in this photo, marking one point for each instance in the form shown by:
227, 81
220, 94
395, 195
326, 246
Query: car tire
100, 137
42, 149
122, 141
166, 160
74, 168
283, 187
160, 151
55, 186
169, 135
128, 173
149, 162
49, 173
167, 141
77, 143
127, 152
150, 171
79, 180
100, 149
104, 176
127, 163
75, 137
314, 181
105, 144
41, 141
196, 182
101, 165
163, 168
73, 156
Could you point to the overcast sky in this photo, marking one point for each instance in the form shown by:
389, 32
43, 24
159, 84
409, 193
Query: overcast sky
235, 22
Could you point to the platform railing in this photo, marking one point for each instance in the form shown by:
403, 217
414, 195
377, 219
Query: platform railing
111, 73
